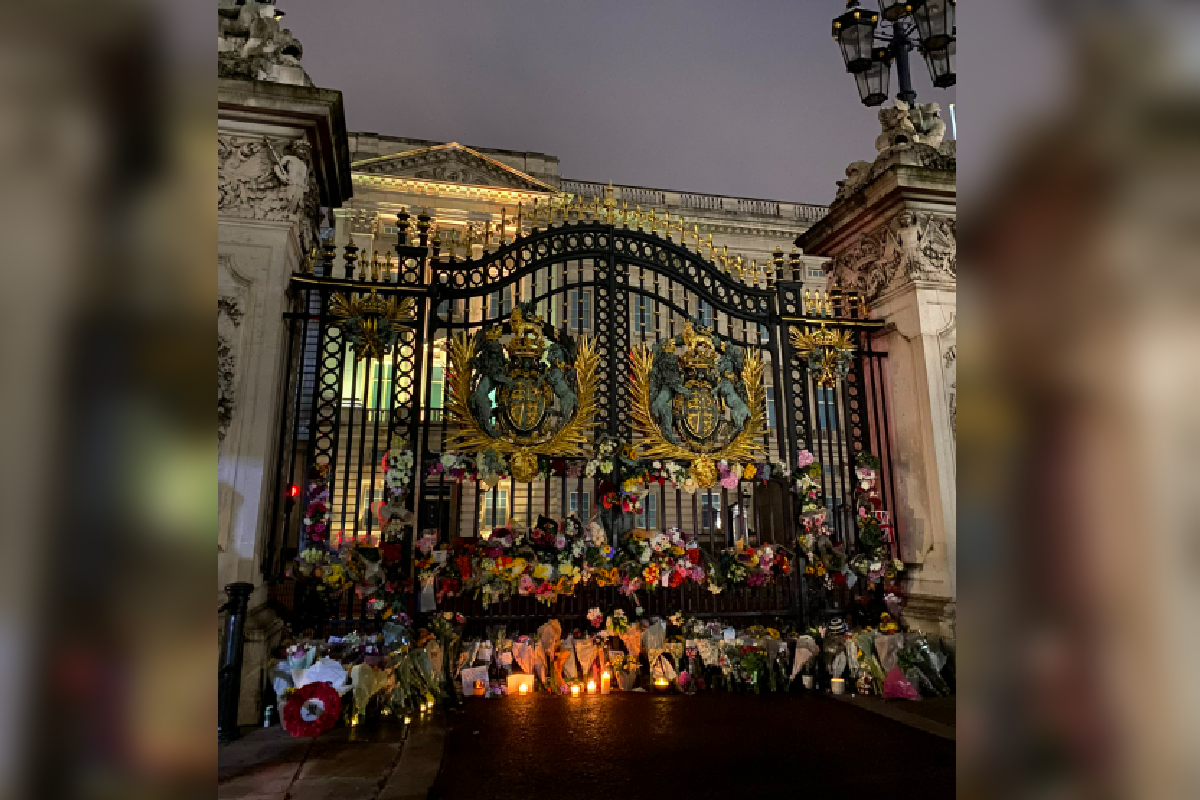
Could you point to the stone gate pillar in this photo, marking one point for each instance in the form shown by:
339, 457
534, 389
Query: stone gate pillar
890, 233
282, 160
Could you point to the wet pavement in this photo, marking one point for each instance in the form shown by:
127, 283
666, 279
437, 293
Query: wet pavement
386, 761
634, 745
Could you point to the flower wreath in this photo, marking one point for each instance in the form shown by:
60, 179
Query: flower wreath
302, 700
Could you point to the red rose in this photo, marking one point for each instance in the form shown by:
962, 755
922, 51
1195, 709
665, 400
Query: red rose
694, 557
839, 578
391, 552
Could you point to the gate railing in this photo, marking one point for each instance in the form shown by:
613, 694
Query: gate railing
598, 271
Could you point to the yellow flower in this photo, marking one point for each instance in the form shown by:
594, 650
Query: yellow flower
517, 566
629, 452
631, 484
774, 634
750, 472
820, 570
542, 571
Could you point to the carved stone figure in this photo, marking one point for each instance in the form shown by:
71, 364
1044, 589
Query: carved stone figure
265, 178
666, 381
489, 365
252, 45
911, 246
857, 175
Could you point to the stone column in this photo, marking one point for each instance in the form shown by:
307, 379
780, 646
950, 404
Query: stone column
282, 157
891, 234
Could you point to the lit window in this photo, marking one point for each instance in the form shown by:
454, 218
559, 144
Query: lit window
495, 508
587, 504
815, 272
706, 314
437, 385
770, 406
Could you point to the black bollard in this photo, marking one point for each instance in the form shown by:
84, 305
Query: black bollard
229, 679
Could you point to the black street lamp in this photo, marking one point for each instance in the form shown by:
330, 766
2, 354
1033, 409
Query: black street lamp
929, 22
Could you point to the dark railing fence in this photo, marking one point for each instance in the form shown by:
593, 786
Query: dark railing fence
621, 286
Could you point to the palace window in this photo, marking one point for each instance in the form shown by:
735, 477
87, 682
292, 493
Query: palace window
770, 406
585, 511
500, 303
816, 272
706, 314
710, 511
649, 516
369, 383
437, 386
826, 408
642, 314
495, 508
579, 308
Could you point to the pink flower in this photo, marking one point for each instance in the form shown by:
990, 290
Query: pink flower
525, 585
804, 458
560, 541
729, 480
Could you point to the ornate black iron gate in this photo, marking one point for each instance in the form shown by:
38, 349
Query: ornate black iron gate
367, 356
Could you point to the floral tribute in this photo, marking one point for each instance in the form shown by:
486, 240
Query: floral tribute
311, 710
753, 566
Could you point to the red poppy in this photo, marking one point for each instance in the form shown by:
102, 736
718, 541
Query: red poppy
318, 695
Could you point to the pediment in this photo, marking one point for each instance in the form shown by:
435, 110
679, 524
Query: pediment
451, 163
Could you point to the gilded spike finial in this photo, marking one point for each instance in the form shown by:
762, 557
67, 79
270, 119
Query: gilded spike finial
503, 225
520, 220
679, 227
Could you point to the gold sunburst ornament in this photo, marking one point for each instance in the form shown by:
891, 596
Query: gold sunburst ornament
829, 352
706, 437
522, 430
371, 323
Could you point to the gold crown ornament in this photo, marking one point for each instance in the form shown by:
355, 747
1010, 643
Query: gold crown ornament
527, 340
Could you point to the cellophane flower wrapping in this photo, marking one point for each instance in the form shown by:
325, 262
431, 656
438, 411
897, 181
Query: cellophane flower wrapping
522, 652
806, 650
887, 647
661, 667
569, 669
585, 653
897, 687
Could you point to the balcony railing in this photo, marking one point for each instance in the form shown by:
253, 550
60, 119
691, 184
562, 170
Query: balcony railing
659, 198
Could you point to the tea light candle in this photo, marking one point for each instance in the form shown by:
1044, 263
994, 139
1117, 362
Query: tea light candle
522, 688
661, 684
574, 689
408, 720
838, 685
591, 687
605, 682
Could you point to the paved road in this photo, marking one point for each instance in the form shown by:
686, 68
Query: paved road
709, 746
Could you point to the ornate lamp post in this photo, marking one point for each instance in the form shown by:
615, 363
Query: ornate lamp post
929, 22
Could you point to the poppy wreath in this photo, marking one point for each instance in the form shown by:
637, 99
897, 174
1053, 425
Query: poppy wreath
331, 708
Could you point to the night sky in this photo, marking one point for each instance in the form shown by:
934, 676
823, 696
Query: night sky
737, 97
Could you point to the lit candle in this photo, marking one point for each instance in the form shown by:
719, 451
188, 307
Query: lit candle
661, 684
408, 720
605, 682
838, 685
522, 688
354, 720
574, 689
591, 687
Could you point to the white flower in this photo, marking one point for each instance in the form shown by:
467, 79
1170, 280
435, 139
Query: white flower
449, 459
606, 467
591, 469
658, 465
712, 587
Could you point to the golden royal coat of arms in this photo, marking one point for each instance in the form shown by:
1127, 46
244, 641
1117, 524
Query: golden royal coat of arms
698, 398
534, 395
